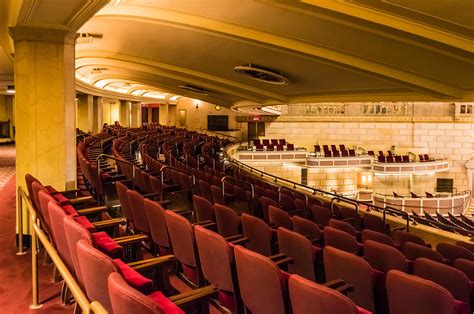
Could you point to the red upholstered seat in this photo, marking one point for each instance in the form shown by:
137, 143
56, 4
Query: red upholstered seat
203, 209
306, 256
85, 223
159, 232
258, 233
354, 270
321, 215
309, 297
70, 210
279, 217
228, 222
107, 245
343, 226
466, 266
452, 252
341, 240
216, 260
384, 257
164, 303
413, 251
262, 284
376, 236
133, 278
412, 294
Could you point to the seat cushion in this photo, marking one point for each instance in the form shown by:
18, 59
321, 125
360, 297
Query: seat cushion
462, 307
134, 278
107, 245
166, 305
70, 210
363, 311
61, 199
85, 223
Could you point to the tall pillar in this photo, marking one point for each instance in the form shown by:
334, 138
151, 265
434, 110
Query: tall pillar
98, 117
45, 106
164, 114
85, 111
124, 113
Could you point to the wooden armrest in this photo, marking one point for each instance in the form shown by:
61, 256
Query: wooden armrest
285, 261
130, 239
92, 210
206, 224
183, 212
165, 203
277, 257
272, 225
109, 223
333, 284
233, 238
82, 199
240, 241
75, 191
198, 295
152, 262
151, 195
348, 219
397, 228
203, 222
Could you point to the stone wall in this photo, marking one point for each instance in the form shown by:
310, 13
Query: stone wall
434, 129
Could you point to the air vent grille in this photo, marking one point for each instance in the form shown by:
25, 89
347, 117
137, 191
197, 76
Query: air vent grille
195, 89
262, 74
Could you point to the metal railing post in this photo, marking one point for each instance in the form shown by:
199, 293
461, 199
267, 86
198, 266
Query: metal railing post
34, 269
20, 224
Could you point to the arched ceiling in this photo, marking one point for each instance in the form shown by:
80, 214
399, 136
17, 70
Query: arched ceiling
329, 50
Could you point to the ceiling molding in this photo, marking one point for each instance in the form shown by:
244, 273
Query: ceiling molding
91, 90
395, 22
85, 11
27, 9
258, 92
364, 26
151, 69
282, 43
172, 89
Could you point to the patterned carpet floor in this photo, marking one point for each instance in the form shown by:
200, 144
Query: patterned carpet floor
7, 163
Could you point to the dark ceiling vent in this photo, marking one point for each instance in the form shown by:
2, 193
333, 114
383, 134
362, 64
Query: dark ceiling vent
87, 38
262, 74
98, 70
195, 89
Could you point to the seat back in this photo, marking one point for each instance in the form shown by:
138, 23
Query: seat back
340, 240
279, 217
411, 294
266, 202
57, 215
216, 258
306, 227
466, 266
205, 189
454, 280
412, 251
260, 281
343, 226
299, 248
368, 234
452, 252
286, 202
95, 269
155, 214
309, 297
126, 299
181, 235
137, 208
217, 195
75, 232
384, 257
355, 271
321, 215
466, 245
228, 222
373, 223
400, 237
123, 198
258, 233
29, 179
203, 209
43, 199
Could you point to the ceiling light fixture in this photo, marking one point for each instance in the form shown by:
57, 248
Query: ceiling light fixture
11, 89
262, 74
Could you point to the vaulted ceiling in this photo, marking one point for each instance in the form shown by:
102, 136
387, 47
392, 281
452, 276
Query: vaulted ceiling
328, 50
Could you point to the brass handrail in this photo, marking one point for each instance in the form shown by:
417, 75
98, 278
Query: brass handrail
38, 234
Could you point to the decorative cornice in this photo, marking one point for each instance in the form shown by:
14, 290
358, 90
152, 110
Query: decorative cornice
52, 35
85, 12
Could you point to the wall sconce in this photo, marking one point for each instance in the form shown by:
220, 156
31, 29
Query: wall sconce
11, 89
197, 105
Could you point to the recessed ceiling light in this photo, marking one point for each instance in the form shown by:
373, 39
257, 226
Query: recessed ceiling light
262, 74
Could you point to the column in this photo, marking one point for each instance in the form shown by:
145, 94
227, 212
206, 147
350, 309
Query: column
470, 176
45, 106
85, 111
124, 113
98, 117
164, 114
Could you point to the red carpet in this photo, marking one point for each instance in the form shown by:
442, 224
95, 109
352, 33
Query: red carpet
15, 271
